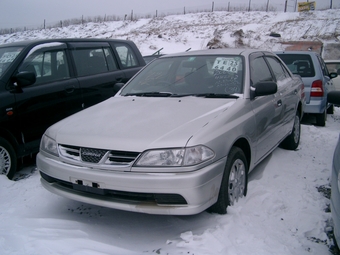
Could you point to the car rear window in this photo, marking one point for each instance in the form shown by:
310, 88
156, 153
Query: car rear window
300, 64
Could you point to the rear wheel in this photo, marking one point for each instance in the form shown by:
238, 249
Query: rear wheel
321, 119
292, 141
8, 159
234, 181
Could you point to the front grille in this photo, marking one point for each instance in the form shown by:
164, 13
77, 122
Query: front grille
97, 156
92, 155
158, 198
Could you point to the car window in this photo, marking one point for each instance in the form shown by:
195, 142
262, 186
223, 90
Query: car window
126, 55
300, 64
190, 75
259, 71
277, 68
90, 61
7, 56
47, 64
323, 66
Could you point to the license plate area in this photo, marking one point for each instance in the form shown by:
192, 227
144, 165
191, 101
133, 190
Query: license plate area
88, 186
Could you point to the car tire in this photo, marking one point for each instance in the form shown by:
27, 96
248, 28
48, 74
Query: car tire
8, 159
321, 119
330, 109
292, 141
234, 181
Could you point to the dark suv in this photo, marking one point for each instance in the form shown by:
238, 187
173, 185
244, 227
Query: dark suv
44, 81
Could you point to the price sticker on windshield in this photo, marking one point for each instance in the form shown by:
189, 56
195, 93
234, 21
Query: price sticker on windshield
227, 64
8, 57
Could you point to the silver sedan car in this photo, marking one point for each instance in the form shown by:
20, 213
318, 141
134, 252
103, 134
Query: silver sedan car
334, 98
180, 137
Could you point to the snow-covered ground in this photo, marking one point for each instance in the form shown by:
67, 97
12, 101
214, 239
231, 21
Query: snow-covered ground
283, 214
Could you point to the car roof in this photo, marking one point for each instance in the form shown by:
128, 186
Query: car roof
297, 52
331, 61
228, 51
39, 41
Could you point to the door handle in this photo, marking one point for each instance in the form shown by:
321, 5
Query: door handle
279, 103
69, 89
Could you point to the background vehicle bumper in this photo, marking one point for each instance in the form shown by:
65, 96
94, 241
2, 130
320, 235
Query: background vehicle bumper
315, 106
199, 188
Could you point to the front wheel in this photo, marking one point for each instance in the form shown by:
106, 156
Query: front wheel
234, 181
8, 159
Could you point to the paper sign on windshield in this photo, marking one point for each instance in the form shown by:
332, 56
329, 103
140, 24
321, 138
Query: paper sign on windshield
227, 64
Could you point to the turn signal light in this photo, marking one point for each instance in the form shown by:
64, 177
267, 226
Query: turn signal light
317, 89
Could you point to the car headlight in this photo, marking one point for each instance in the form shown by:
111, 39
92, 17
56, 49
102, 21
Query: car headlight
176, 156
49, 145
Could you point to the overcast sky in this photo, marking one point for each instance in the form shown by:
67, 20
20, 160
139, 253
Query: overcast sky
33, 13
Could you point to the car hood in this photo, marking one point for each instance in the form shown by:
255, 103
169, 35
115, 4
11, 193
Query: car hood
138, 123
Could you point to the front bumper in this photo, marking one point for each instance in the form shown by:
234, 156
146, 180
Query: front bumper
199, 189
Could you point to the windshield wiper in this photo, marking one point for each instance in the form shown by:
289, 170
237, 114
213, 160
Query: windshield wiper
214, 95
150, 94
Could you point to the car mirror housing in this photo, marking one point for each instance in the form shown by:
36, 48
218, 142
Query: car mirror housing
333, 97
24, 78
265, 88
118, 86
333, 75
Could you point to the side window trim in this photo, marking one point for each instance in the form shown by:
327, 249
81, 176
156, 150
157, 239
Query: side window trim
253, 57
42, 60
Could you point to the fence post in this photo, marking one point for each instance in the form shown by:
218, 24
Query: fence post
184, 10
212, 8
249, 6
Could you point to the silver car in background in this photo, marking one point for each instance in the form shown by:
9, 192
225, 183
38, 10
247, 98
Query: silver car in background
334, 98
180, 137
316, 78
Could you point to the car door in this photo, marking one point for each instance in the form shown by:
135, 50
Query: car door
326, 79
287, 90
97, 71
267, 109
54, 95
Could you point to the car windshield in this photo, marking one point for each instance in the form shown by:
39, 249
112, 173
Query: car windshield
7, 56
204, 75
300, 64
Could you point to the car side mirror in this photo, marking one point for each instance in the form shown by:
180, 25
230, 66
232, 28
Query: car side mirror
333, 97
118, 86
24, 79
265, 88
333, 75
